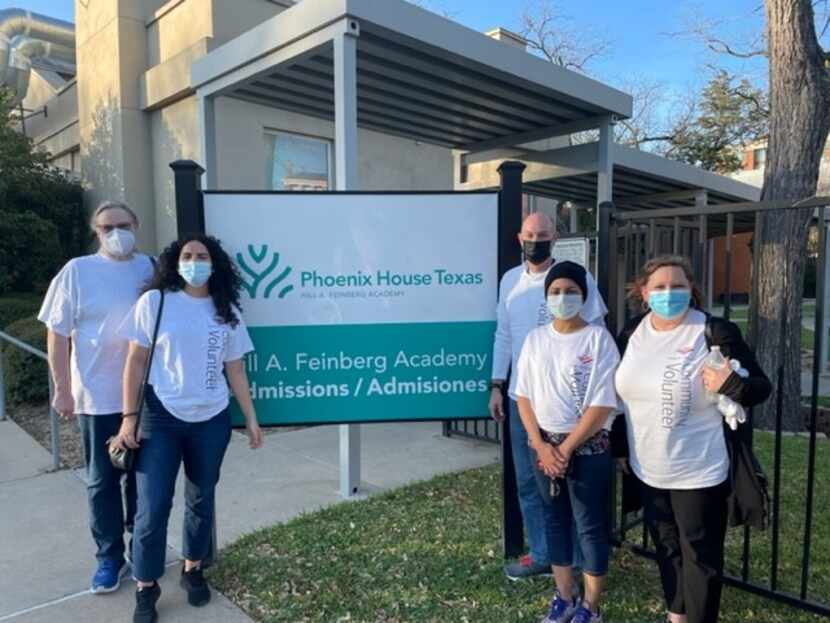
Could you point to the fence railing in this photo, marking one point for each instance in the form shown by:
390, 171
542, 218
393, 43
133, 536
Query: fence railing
483, 430
54, 429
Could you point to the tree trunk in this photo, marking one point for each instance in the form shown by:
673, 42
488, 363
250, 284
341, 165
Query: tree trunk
799, 102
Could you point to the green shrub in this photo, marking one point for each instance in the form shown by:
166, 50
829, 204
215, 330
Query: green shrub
25, 374
54, 198
30, 252
16, 306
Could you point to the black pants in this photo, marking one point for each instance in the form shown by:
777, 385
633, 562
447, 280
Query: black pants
689, 528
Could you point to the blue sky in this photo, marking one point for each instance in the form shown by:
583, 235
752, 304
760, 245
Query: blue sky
637, 31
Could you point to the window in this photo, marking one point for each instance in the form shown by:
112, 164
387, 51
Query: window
759, 158
297, 162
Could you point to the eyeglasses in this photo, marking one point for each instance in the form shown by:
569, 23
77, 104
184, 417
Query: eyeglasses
109, 228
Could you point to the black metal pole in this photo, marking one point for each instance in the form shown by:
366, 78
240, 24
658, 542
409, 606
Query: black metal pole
605, 263
190, 219
510, 223
190, 210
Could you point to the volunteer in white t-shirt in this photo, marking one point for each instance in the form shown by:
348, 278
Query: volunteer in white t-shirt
84, 306
675, 434
565, 393
522, 308
201, 338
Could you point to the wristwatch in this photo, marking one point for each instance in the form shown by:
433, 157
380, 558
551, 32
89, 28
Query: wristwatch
496, 384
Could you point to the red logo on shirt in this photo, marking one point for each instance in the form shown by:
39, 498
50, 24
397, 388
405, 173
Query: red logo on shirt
585, 359
685, 350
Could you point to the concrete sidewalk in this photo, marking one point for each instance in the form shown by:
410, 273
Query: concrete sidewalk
46, 552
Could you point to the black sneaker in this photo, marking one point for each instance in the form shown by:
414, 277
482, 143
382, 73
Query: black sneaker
193, 581
145, 604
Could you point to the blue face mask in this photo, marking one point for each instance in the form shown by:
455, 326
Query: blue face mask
195, 273
670, 304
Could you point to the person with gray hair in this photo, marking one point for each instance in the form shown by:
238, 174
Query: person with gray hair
83, 308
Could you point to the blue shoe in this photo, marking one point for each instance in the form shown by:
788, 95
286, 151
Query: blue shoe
108, 576
560, 610
584, 615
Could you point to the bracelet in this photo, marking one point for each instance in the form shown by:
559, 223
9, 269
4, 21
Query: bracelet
133, 414
496, 384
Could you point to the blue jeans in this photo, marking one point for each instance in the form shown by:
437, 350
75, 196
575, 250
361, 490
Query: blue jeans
166, 442
580, 508
111, 511
535, 514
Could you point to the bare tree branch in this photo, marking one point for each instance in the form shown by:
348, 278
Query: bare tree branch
550, 35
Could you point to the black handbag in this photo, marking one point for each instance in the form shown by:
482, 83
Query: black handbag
124, 458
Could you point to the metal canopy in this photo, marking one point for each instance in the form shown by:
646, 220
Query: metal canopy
419, 75
641, 180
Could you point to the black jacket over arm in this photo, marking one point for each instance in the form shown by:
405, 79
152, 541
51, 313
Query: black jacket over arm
747, 392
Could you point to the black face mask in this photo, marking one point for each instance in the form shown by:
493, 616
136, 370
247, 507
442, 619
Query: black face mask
536, 252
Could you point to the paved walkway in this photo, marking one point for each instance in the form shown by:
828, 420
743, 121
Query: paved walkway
46, 553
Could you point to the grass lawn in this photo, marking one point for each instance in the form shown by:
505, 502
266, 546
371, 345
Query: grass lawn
430, 552
807, 335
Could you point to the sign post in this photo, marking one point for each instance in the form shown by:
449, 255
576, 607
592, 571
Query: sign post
510, 223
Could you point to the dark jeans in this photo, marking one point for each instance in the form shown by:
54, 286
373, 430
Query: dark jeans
167, 442
579, 513
111, 510
689, 528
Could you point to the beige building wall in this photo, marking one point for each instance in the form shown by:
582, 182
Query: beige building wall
175, 136
385, 162
116, 156
58, 133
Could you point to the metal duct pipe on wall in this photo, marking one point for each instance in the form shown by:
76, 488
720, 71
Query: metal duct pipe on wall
19, 22
15, 22
24, 51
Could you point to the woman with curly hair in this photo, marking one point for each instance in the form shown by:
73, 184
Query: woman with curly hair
200, 335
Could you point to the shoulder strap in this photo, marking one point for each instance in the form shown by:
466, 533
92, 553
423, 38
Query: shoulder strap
146, 380
707, 332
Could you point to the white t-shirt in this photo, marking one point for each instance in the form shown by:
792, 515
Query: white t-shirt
563, 374
522, 307
191, 349
87, 301
675, 432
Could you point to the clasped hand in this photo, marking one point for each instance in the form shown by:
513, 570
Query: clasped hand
553, 460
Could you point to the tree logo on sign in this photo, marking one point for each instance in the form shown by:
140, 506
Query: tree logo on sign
263, 273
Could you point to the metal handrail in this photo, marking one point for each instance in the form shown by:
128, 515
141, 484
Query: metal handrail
54, 429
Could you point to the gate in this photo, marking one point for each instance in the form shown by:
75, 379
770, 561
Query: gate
755, 562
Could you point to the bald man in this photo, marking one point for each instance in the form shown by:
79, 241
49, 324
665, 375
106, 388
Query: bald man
522, 308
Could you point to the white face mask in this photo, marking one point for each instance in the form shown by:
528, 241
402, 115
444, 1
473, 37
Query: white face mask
119, 242
564, 306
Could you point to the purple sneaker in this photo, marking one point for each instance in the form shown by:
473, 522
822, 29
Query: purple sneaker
584, 615
560, 610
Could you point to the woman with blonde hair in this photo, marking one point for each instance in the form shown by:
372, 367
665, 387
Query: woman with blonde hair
672, 439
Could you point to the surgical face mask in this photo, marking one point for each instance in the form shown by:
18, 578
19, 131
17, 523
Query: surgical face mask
196, 273
670, 304
564, 306
119, 242
536, 251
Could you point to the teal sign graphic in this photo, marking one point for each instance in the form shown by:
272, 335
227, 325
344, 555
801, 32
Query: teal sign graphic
363, 307
381, 372
264, 270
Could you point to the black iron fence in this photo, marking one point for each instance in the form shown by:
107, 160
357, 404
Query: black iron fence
483, 430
